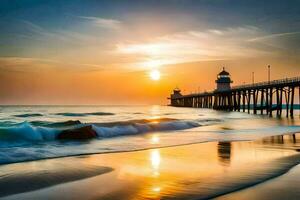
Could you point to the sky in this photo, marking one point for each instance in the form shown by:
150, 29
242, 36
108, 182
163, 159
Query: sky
104, 52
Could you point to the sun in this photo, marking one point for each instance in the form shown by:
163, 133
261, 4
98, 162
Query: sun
155, 75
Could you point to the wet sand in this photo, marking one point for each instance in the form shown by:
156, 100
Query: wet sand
20, 178
197, 171
286, 186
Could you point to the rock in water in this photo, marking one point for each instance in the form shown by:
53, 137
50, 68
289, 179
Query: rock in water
82, 133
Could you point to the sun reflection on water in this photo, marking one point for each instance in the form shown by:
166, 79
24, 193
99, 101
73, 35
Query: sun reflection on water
155, 112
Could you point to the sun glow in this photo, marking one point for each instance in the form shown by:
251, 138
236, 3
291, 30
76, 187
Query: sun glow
155, 75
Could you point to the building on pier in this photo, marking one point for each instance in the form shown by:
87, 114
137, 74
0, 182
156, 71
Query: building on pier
176, 93
223, 81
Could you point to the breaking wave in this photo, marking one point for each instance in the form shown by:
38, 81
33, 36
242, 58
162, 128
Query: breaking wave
141, 126
26, 131
48, 131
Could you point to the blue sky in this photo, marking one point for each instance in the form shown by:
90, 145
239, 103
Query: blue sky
122, 36
273, 17
18, 18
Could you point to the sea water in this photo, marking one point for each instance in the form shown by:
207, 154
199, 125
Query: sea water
30, 132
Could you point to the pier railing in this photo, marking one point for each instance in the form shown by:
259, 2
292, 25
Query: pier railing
265, 84
274, 83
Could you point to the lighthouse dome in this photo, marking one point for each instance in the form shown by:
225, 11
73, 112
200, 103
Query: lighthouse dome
224, 73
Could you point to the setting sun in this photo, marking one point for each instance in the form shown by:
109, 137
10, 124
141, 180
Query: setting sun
155, 75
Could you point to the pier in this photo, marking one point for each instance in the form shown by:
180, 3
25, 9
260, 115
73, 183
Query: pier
268, 97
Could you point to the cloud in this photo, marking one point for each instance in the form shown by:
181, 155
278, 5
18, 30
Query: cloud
138, 53
25, 64
287, 42
102, 22
55, 36
275, 36
197, 45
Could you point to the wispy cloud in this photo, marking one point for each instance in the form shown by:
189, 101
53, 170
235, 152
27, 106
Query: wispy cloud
285, 43
102, 22
196, 45
26, 64
140, 53
38, 33
276, 35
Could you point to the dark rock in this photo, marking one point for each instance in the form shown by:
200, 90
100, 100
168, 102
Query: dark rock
82, 133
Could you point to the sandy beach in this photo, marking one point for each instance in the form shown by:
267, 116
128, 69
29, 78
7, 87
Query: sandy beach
197, 171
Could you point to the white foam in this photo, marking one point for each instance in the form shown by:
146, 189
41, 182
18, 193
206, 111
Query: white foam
137, 128
115, 131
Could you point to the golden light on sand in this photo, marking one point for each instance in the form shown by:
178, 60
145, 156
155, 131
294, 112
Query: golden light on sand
155, 75
156, 189
155, 162
155, 159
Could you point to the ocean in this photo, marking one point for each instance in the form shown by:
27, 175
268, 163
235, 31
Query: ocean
30, 133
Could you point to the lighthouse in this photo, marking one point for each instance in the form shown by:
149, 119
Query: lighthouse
223, 81
174, 97
176, 93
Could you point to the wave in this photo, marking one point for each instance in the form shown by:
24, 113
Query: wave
141, 126
29, 115
49, 131
100, 113
25, 131
68, 114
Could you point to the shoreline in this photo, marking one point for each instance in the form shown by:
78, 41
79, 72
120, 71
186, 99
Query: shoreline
143, 168
143, 149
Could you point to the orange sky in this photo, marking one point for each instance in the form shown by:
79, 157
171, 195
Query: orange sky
107, 87
103, 52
